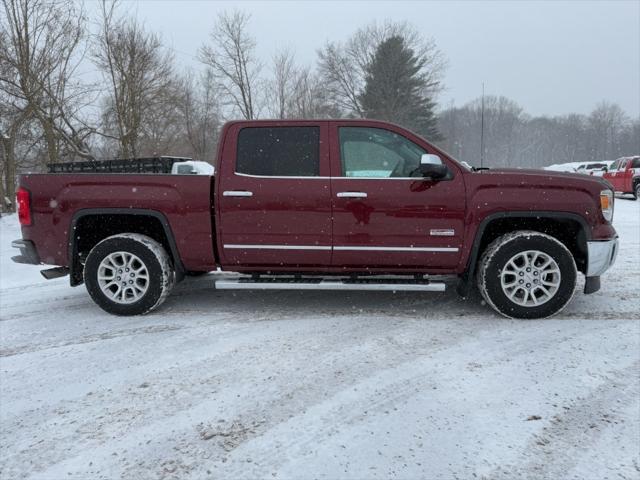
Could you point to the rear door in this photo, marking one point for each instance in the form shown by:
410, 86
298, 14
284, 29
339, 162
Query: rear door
273, 196
385, 214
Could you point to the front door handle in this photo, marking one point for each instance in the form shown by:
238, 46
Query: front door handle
352, 195
237, 193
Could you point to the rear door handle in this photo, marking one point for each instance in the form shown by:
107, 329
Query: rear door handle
237, 193
352, 195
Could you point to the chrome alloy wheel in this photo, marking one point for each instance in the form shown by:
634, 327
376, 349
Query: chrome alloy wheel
123, 277
530, 278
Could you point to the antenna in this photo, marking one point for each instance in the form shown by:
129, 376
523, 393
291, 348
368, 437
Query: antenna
482, 130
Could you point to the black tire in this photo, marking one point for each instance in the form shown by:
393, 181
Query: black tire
636, 190
497, 257
158, 280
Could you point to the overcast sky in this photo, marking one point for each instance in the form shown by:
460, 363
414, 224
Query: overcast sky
550, 57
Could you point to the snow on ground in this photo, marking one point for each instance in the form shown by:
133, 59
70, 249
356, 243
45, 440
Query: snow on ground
318, 384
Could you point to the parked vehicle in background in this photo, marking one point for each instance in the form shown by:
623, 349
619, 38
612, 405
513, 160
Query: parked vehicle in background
320, 205
596, 168
624, 175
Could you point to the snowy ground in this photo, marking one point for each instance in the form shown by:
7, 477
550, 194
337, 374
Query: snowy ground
318, 384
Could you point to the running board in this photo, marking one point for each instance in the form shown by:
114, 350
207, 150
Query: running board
319, 284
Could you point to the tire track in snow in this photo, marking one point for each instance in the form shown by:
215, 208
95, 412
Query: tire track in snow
555, 450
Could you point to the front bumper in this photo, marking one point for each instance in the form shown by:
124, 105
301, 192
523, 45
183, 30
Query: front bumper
600, 256
28, 252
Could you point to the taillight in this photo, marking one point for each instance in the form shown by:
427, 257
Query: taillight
23, 200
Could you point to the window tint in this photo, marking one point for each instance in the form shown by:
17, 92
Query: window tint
635, 163
378, 153
279, 151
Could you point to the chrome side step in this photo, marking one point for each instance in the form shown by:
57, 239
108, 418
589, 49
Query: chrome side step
323, 284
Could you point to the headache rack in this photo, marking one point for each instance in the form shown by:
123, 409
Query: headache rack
129, 165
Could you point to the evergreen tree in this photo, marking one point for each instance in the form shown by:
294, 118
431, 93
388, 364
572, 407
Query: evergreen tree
395, 89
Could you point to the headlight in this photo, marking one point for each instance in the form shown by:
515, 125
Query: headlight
606, 204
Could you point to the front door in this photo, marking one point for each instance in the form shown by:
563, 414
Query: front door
273, 200
385, 214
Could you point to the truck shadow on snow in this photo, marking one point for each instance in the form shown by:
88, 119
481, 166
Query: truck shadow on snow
199, 295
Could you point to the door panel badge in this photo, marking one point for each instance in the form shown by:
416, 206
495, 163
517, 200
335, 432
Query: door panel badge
442, 232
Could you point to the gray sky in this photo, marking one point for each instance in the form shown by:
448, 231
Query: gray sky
550, 57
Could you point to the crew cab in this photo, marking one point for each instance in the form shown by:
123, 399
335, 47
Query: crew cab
624, 175
322, 204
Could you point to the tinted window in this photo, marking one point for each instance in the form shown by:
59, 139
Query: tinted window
279, 151
635, 163
378, 153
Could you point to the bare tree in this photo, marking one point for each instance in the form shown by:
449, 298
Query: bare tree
40, 51
11, 123
310, 98
231, 57
201, 115
344, 66
283, 82
138, 71
606, 121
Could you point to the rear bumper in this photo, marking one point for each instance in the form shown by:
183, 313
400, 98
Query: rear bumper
600, 256
28, 252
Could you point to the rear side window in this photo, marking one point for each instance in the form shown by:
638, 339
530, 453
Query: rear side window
279, 151
635, 163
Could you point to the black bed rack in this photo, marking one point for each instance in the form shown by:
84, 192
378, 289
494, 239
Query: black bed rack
120, 165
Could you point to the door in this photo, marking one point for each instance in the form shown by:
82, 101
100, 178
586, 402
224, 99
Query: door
615, 173
385, 214
631, 167
273, 196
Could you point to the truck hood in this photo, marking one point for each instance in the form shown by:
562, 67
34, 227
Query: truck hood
543, 177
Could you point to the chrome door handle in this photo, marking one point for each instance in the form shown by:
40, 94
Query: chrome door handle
237, 193
352, 195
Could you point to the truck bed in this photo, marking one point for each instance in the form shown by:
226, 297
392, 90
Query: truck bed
181, 203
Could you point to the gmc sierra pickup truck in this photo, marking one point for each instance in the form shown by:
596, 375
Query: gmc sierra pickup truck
327, 204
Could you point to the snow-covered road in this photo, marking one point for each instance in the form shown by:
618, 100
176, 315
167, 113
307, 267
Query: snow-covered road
318, 384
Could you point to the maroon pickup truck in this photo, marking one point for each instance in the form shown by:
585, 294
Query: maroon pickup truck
327, 204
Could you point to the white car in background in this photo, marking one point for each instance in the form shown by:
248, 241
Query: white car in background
587, 168
594, 168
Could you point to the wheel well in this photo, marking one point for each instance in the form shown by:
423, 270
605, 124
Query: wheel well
90, 229
570, 232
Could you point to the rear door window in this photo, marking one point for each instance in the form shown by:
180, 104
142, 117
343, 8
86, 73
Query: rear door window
279, 151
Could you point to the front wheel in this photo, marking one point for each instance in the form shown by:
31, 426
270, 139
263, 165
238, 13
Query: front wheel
128, 274
527, 274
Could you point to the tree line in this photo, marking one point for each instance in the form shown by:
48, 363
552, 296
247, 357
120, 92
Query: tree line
513, 138
76, 86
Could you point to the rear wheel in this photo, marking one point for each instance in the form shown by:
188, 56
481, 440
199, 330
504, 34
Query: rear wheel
636, 190
128, 274
527, 274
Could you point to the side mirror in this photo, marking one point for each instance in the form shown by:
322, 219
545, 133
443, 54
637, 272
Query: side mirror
432, 166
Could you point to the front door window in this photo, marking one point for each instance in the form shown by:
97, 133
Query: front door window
378, 153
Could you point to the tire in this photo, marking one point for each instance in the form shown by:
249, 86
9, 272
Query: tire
147, 266
636, 191
503, 277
